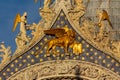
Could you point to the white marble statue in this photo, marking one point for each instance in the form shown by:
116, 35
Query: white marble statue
22, 37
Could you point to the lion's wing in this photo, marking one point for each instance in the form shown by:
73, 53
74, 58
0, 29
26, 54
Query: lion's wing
58, 32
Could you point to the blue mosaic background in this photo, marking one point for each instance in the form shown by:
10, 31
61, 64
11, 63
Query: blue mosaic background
90, 54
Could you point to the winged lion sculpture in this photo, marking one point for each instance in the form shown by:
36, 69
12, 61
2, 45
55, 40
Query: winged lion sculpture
64, 38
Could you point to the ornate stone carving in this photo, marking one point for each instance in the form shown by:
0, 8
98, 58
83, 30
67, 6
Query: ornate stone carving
79, 5
37, 31
105, 36
46, 12
46, 6
77, 11
47, 16
88, 28
5, 53
60, 68
106, 77
97, 33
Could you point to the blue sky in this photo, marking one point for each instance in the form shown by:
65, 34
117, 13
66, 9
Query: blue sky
8, 11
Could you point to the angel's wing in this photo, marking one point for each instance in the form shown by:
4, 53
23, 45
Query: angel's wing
16, 21
105, 16
58, 32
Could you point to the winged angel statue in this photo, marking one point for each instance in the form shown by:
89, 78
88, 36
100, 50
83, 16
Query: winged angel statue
103, 17
22, 37
64, 38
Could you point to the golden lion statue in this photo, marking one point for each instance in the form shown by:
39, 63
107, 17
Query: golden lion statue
64, 38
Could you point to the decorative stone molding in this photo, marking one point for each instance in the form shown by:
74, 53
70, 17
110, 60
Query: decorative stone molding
65, 68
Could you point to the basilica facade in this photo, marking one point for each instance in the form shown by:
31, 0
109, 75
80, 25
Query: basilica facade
74, 40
